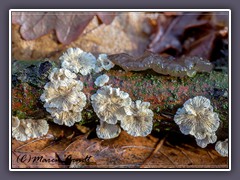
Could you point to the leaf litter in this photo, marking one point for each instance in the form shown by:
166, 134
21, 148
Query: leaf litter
164, 151
68, 25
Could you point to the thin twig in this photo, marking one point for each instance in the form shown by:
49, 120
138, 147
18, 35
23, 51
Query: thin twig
159, 145
33, 141
168, 158
74, 141
137, 147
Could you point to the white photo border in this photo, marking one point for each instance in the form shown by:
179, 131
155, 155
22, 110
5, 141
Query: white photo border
117, 10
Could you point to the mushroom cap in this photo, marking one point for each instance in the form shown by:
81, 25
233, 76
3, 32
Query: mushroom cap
15, 122
64, 103
140, 123
87, 62
111, 104
29, 128
61, 77
68, 118
64, 98
210, 138
197, 118
77, 61
103, 63
101, 80
107, 131
69, 59
222, 147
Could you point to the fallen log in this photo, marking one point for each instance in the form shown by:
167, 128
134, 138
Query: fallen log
165, 93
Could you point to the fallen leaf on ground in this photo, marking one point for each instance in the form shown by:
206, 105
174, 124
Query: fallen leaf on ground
169, 38
191, 34
68, 25
202, 47
124, 34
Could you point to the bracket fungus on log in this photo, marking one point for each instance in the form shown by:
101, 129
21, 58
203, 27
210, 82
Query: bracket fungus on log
25, 129
165, 93
68, 118
103, 63
140, 123
222, 147
63, 97
15, 122
107, 131
76, 60
61, 77
210, 138
198, 119
111, 104
185, 66
64, 103
101, 80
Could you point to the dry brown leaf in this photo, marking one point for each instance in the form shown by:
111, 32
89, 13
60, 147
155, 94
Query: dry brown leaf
68, 25
124, 34
169, 38
203, 46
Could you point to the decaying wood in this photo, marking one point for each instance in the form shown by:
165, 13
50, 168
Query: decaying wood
165, 93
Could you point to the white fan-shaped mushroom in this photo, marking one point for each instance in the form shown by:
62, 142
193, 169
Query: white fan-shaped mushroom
197, 118
15, 122
140, 123
107, 131
77, 61
111, 104
64, 103
209, 139
222, 147
61, 77
101, 80
29, 128
103, 63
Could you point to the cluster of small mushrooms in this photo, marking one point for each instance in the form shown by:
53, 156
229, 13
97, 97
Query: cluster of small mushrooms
64, 100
